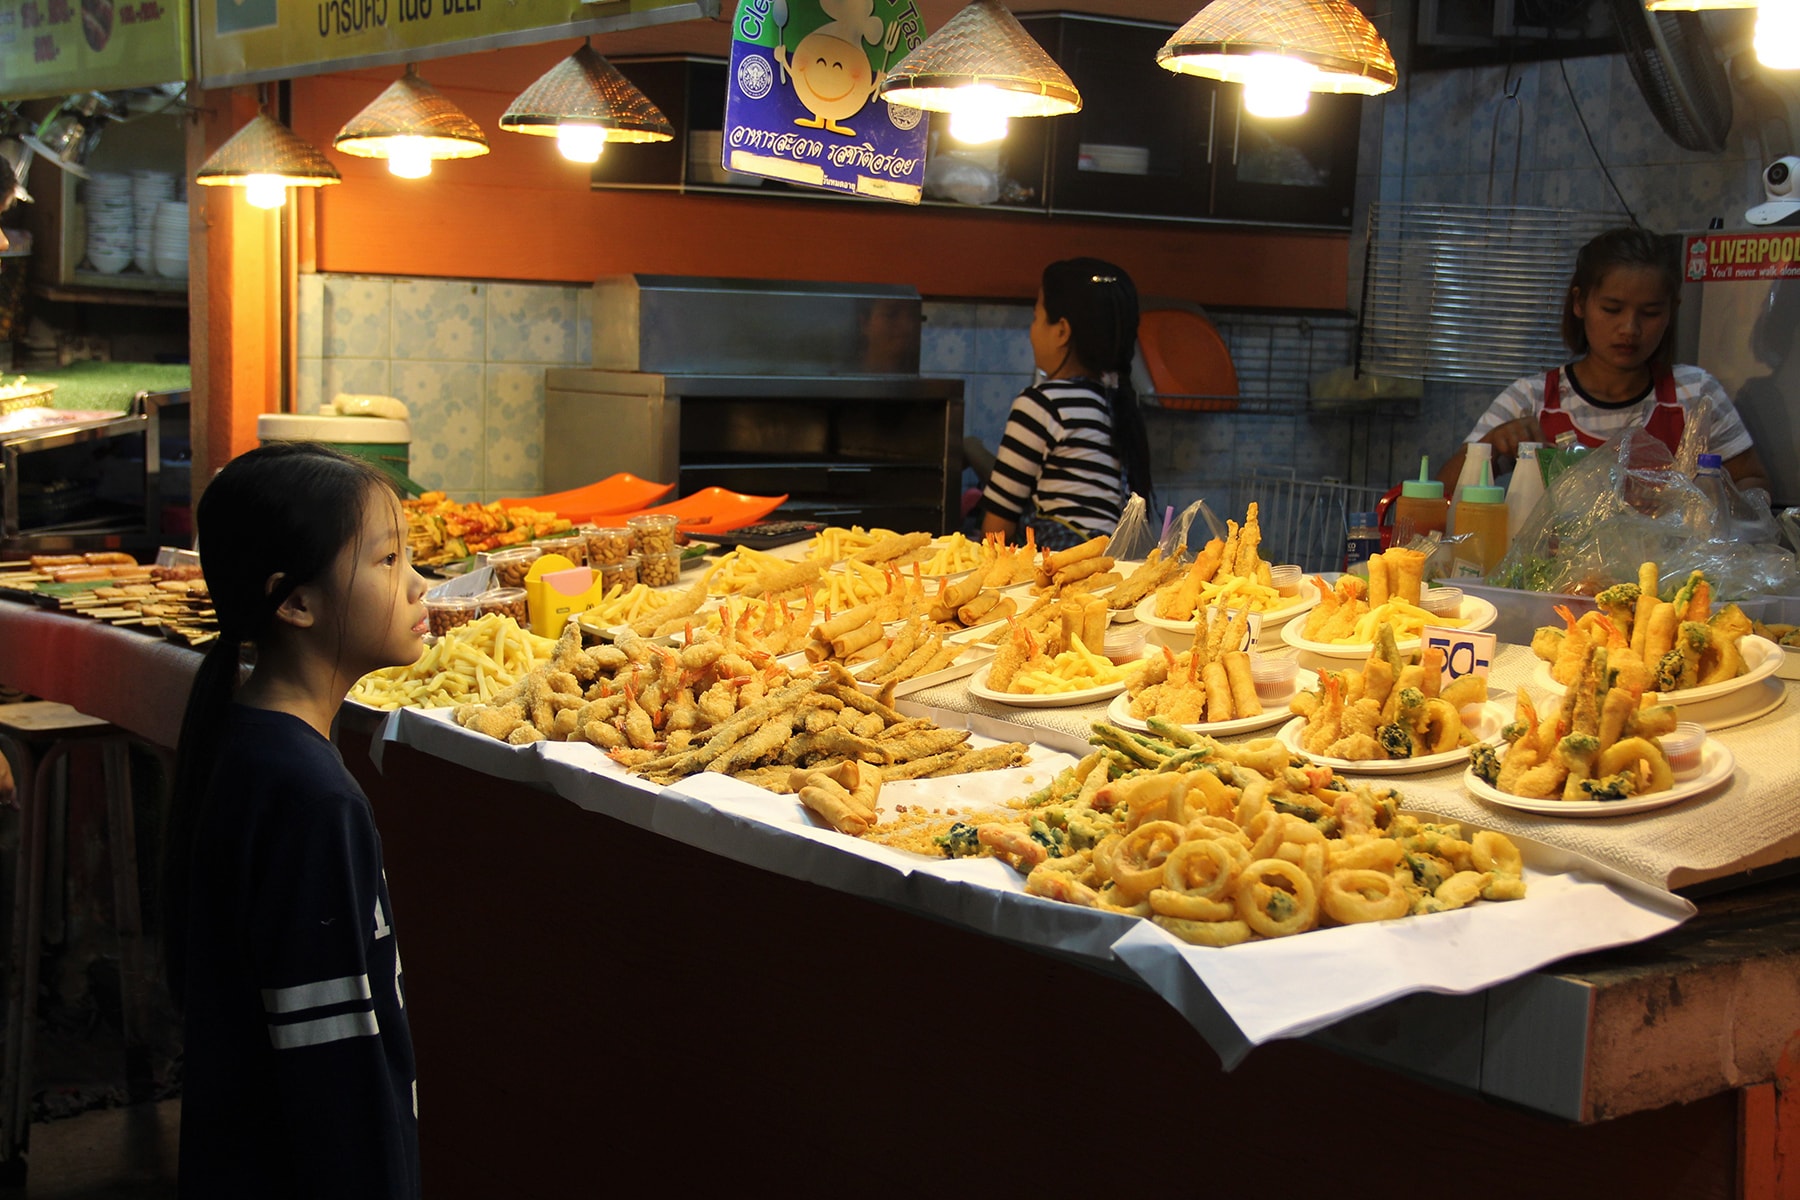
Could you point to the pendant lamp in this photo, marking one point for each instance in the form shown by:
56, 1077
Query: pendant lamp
584, 103
411, 124
981, 68
266, 158
1281, 50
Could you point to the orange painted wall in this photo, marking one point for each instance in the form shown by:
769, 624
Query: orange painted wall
522, 212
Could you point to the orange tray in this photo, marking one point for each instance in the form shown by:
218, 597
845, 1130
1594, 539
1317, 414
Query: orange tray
621, 493
715, 510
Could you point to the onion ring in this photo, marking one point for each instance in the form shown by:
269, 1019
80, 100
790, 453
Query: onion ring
1206, 933
1496, 852
1373, 854
1281, 829
1202, 867
1276, 911
1187, 906
1137, 862
1356, 896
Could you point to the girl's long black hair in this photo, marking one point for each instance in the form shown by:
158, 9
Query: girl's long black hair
1626, 246
287, 509
1100, 303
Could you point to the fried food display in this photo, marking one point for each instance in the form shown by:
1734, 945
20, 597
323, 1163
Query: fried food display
1027, 665
1228, 573
1222, 844
1004, 564
440, 530
915, 649
1781, 634
1350, 613
1204, 684
969, 602
1085, 568
758, 573
1394, 708
1600, 745
469, 663
1652, 644
952, 555
711, 705
1152, 573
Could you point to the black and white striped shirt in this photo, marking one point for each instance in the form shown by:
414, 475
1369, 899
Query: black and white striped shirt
1057, 456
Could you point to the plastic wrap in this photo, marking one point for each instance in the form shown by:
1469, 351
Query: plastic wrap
1633, 501
1132, 538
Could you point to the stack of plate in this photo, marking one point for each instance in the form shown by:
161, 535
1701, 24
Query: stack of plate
148, 189
170, 239
109, 227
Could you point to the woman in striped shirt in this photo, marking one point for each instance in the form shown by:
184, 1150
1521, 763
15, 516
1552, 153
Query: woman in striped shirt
1076, 441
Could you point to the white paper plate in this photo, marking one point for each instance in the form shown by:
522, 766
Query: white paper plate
1745, 704
978, 687
1716, 766
1477, 614
1762, 658
1309, 596
1274, 712
1790, 665
1487, 726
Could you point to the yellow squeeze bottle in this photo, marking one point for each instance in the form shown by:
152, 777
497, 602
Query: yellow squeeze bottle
1481, 514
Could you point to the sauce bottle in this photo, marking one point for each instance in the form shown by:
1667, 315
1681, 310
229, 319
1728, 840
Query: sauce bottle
1362, 538
1481, 515
1421, 508
1477, 458
1526, 489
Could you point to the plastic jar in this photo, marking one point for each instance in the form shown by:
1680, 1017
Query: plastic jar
1275, 678
653, 533
1684, 748
508, 602
1441, 601
607, 543
623, 573
444, 613
572, 548
659, 568
513, 564
1285, 579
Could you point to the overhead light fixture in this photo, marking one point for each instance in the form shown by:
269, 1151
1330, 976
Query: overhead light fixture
584, 103
982, 68
1777, 38
266, 158
411, 125
1282, 50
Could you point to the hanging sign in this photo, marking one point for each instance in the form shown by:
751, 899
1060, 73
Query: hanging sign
800, 104
1714, 257
55, 47
244, 41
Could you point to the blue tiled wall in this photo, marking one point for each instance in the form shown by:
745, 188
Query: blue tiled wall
467, 358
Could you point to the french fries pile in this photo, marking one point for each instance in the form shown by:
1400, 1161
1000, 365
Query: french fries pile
1223, 844
711, 706
470, 663
1346, 616
1225, 574
952, 555
646, 609
1391, 709
1083, 568
1652, 644
1029, 666
757, 573
1204, 683
899, 592
440, 530
1600, 745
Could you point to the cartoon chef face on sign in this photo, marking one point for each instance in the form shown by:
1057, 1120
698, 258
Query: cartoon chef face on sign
829, 68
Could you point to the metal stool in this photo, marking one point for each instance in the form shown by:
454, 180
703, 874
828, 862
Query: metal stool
36, 736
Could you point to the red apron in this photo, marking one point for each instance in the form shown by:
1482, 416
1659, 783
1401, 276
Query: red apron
1666, 422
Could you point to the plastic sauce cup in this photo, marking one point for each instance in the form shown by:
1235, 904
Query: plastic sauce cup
1275, 678
1684, 748
1124, 643
1285, 579
1441, 601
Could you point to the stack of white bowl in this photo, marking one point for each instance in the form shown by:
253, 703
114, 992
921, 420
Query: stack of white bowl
170, 239
109, 222
148, 189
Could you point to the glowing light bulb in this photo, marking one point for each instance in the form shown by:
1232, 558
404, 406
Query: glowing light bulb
265, 191
409, 157
1778, 35
979, 114
1276, 86
580, 143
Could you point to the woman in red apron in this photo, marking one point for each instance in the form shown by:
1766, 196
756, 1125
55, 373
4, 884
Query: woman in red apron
1618, 317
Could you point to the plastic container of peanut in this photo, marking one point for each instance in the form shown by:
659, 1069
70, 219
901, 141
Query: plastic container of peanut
659, 568
623, 573
572, 548
607, 544
511, 565
447, 612
654, 533
508, 602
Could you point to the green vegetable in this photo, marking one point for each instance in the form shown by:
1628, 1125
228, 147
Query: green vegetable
1411, 699
1056, 841
1613, 787
1396, 739
1619, 595
959, 841
1667, 675
1485, 762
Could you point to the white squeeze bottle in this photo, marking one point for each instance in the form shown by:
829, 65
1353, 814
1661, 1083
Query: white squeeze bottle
1526, 489
1476, 455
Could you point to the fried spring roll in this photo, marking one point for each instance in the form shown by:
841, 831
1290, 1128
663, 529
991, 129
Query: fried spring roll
1244, 701
1218, 692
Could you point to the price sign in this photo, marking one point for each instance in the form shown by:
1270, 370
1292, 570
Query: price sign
1465, 653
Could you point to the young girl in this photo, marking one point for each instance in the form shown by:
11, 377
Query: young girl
1059, 465
1618, 317
298, 1076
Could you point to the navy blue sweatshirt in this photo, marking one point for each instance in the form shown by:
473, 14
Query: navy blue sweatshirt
298, 1079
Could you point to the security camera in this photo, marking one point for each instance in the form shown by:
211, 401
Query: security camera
1781, 194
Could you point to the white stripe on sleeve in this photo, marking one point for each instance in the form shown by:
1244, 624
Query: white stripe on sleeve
326, 1029
316, 995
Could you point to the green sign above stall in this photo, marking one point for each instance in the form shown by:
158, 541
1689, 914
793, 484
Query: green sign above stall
55, 47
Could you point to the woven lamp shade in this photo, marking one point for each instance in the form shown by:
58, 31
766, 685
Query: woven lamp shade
1330, 35
267, 147
585, 89
412, 108
982, 44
